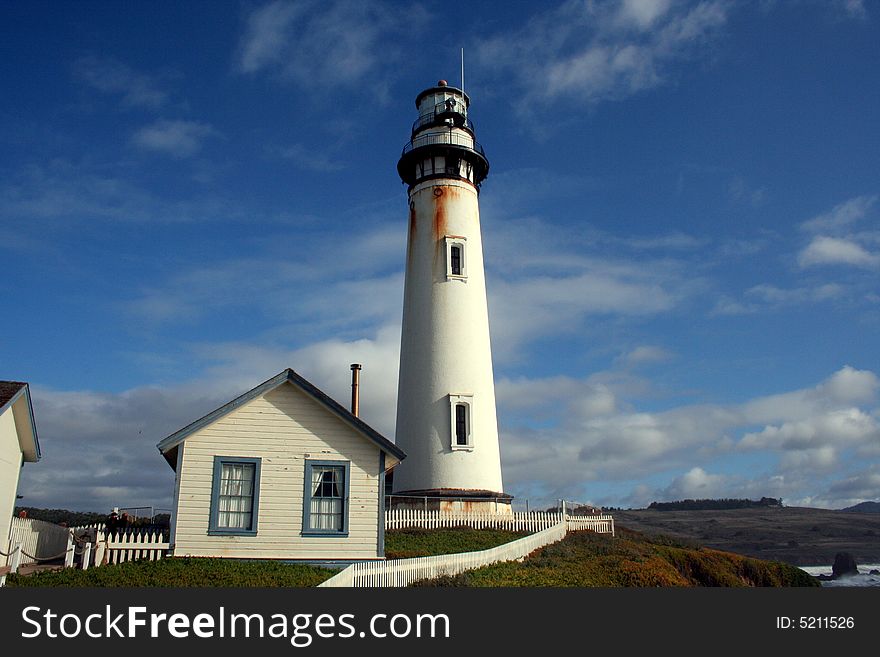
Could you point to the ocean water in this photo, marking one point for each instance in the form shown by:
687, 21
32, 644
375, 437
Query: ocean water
864, 578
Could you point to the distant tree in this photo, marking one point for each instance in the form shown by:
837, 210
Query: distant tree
59, 516
714, 504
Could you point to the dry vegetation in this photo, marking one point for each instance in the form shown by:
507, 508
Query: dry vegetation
585, 559
799, 536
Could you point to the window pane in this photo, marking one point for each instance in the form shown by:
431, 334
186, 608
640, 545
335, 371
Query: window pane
236, 499
326, 508
455, 256
460, 424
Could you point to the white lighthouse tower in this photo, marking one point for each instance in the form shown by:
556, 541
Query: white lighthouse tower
446, 421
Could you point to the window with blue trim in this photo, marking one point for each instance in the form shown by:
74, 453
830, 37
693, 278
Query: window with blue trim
235, 496
325, 503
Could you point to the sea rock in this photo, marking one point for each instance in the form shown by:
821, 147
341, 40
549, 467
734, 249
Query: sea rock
844, 565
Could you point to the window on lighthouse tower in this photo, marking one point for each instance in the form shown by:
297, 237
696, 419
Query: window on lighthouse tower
456, 262
461, 432
455, 253
460, 421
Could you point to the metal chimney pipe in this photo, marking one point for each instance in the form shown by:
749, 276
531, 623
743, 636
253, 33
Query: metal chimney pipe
355, 393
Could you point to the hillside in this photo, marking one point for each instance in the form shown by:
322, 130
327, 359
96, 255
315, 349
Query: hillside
864, 507
632, 559
795, 535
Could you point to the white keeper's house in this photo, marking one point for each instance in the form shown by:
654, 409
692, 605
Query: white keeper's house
281, 472
18, 445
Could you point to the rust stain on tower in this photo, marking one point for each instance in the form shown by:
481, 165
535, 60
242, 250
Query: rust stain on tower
440, 211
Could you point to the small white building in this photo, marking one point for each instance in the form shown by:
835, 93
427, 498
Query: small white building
18, 445
281, 472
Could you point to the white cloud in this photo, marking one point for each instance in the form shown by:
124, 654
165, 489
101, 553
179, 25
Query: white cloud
808, 430
835, 243
641, 14
853, 8
551, 287
323, 45
111, 76
315, 292
843, 427
99, 449
266, 34
176, 138
775, 296
645, 355
824, 250
601, 51
696, 483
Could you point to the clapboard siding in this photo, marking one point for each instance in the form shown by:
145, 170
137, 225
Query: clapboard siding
283, 428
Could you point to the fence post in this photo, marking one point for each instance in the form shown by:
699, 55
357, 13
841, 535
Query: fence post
100, 548
87, 556
68, 558
15, 563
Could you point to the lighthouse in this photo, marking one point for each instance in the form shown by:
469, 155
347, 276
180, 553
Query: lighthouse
446, 419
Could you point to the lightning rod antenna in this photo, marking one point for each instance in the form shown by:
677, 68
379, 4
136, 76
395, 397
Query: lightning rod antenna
462, 70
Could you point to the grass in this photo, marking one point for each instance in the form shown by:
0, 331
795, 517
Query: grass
182, 572
582, 559
585, 559
418, 542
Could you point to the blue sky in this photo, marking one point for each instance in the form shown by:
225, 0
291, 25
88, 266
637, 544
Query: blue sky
680, 225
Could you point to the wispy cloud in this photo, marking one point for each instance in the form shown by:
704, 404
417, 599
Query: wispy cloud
601, 51
324, 45
841, 216
317, 291
311, 159
75, 191
834, 241
176, 138
111, 76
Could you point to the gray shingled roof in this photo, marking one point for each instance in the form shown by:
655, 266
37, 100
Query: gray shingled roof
8, 390
168, 444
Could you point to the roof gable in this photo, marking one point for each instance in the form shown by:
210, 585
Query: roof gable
16, 396
167, 446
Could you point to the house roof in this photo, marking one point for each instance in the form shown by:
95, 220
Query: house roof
16, 395
169, 444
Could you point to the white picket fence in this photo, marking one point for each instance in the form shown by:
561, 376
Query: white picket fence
40, 540
551, 527
403, 572
531, 522
130, 546
35, 541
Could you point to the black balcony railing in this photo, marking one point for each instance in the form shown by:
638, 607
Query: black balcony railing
438, 118
443, 139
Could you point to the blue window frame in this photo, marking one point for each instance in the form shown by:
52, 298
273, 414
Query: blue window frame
235, 496
325, 498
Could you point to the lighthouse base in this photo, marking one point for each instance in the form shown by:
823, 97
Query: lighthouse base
452, 500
